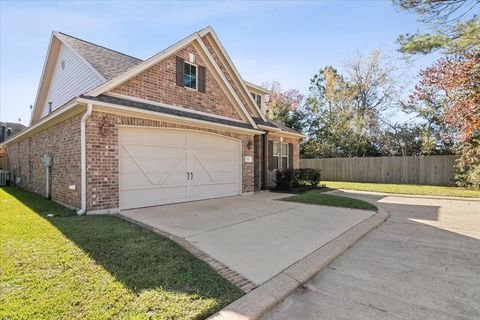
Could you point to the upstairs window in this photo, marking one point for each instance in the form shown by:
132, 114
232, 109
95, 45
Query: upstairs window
257, 98
190, 76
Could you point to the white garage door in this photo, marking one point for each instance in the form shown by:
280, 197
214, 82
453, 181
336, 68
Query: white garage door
159, 166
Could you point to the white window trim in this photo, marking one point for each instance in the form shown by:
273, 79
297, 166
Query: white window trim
279, 155
276, 155
196, 76
254, 96
286, 146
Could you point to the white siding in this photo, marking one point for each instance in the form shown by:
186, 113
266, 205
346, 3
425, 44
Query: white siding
76, 78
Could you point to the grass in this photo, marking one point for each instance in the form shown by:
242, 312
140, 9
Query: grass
96, 267
404, 189
318, 197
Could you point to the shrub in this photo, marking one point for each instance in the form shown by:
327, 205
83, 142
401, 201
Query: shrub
310, 176
285, 179
288, 178
469, 179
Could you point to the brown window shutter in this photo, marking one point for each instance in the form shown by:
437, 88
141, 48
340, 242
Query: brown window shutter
290, 155
270, 155
201, 79
180, 71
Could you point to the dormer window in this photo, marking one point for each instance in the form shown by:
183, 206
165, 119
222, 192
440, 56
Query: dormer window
190, 76
257, 98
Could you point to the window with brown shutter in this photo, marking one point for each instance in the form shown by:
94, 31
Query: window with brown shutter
180, 71
190, 75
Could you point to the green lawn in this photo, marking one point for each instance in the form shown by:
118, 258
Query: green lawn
96, 267
404, 189
318, 197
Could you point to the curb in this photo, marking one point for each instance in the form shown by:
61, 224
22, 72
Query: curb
256, 303
373, 193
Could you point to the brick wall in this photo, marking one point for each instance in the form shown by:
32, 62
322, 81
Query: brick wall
102, 155
62, 141
258, 160
158, 84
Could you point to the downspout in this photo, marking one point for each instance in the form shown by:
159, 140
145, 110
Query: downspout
83, 146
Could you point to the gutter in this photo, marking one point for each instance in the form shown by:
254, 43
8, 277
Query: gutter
83, 144
279, 131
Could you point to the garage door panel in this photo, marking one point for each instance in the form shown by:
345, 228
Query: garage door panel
152, 197
210, 140
141, 166
155, 166
149, 136
215, 175
219, 190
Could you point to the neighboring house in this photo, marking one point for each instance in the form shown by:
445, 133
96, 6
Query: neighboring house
125, 133
7, 130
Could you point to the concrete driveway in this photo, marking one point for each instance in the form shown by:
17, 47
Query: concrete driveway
422, 263
257, 236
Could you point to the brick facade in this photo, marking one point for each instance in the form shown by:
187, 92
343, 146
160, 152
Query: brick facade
62, 142
258, 160
158, 84
102, 155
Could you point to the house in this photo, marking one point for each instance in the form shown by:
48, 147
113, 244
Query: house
7, 130
110, 132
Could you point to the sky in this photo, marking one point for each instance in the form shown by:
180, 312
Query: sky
284, 41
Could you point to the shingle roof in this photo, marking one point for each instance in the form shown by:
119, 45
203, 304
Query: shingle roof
14, 129
282, 126
109, 63
170, 111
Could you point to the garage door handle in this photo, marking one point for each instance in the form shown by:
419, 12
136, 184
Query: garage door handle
188, 175
191, 173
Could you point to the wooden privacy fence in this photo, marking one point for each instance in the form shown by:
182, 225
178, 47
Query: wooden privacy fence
428, 170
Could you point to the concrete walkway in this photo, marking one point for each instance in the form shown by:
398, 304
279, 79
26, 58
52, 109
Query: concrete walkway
256, 236
422, 263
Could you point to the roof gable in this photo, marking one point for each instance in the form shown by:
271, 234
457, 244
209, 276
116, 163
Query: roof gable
71, 76
78, 76
109, 63
209, 60
158, 84
114, 68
